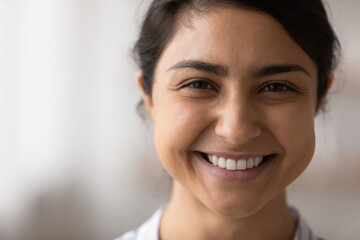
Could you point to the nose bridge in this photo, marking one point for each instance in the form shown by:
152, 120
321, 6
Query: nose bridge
237, 120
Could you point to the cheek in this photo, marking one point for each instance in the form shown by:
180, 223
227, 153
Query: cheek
177, 121
294, 130
177, 125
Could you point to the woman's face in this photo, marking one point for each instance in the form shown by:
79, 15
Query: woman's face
233, 84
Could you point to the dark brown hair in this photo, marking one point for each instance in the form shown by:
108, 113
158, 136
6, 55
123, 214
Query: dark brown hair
305, 20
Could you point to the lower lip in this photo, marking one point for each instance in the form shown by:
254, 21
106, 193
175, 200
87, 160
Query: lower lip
236, 175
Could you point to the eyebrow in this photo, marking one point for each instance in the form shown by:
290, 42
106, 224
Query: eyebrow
279, 69
221, 71
210, 68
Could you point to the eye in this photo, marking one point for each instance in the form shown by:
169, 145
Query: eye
276, 87
200, 84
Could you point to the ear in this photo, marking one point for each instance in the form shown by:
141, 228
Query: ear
145, 97
330, 82
328, 86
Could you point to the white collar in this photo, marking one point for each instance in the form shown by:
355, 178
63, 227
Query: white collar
149, 230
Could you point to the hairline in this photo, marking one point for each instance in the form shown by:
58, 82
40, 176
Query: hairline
186, 15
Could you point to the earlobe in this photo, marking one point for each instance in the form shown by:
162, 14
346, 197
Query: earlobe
330, 82
147, 100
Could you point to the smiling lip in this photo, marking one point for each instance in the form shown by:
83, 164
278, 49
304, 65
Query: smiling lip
240, 168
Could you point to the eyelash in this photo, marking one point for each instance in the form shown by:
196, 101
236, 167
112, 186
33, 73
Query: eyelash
196, 85
272, 87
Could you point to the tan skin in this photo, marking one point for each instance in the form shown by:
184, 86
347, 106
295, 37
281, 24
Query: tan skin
239, 111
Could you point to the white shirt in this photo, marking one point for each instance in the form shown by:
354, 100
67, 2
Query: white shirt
150, 229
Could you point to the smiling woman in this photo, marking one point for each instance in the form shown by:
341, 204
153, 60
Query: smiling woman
232, 88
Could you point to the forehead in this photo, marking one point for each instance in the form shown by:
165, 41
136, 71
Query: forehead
237, 38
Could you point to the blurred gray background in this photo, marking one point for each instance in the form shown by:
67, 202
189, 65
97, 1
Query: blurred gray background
77, 162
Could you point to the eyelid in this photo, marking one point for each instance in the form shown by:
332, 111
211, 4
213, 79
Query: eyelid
195, 80
290, 86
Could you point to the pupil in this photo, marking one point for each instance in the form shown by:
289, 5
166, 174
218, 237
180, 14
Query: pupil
276, 87
198, 85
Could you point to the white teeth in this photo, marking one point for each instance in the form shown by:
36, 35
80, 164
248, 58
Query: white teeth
222, 162
231, 164
241, 164
215, 160
250, 163
210, 158
256, 161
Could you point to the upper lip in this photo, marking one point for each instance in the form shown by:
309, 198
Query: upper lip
236, 156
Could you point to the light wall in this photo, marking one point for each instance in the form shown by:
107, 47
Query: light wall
76, 160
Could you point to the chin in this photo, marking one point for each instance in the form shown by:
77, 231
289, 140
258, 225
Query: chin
236, 212
235, 207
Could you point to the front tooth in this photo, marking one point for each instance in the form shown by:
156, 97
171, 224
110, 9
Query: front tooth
256, 161
241, 164
222, 162
215, 160
231, 164
250, 163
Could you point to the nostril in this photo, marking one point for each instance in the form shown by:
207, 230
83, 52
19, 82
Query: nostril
238, 124
238, 134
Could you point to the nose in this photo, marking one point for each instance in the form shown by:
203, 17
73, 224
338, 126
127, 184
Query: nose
237, 121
